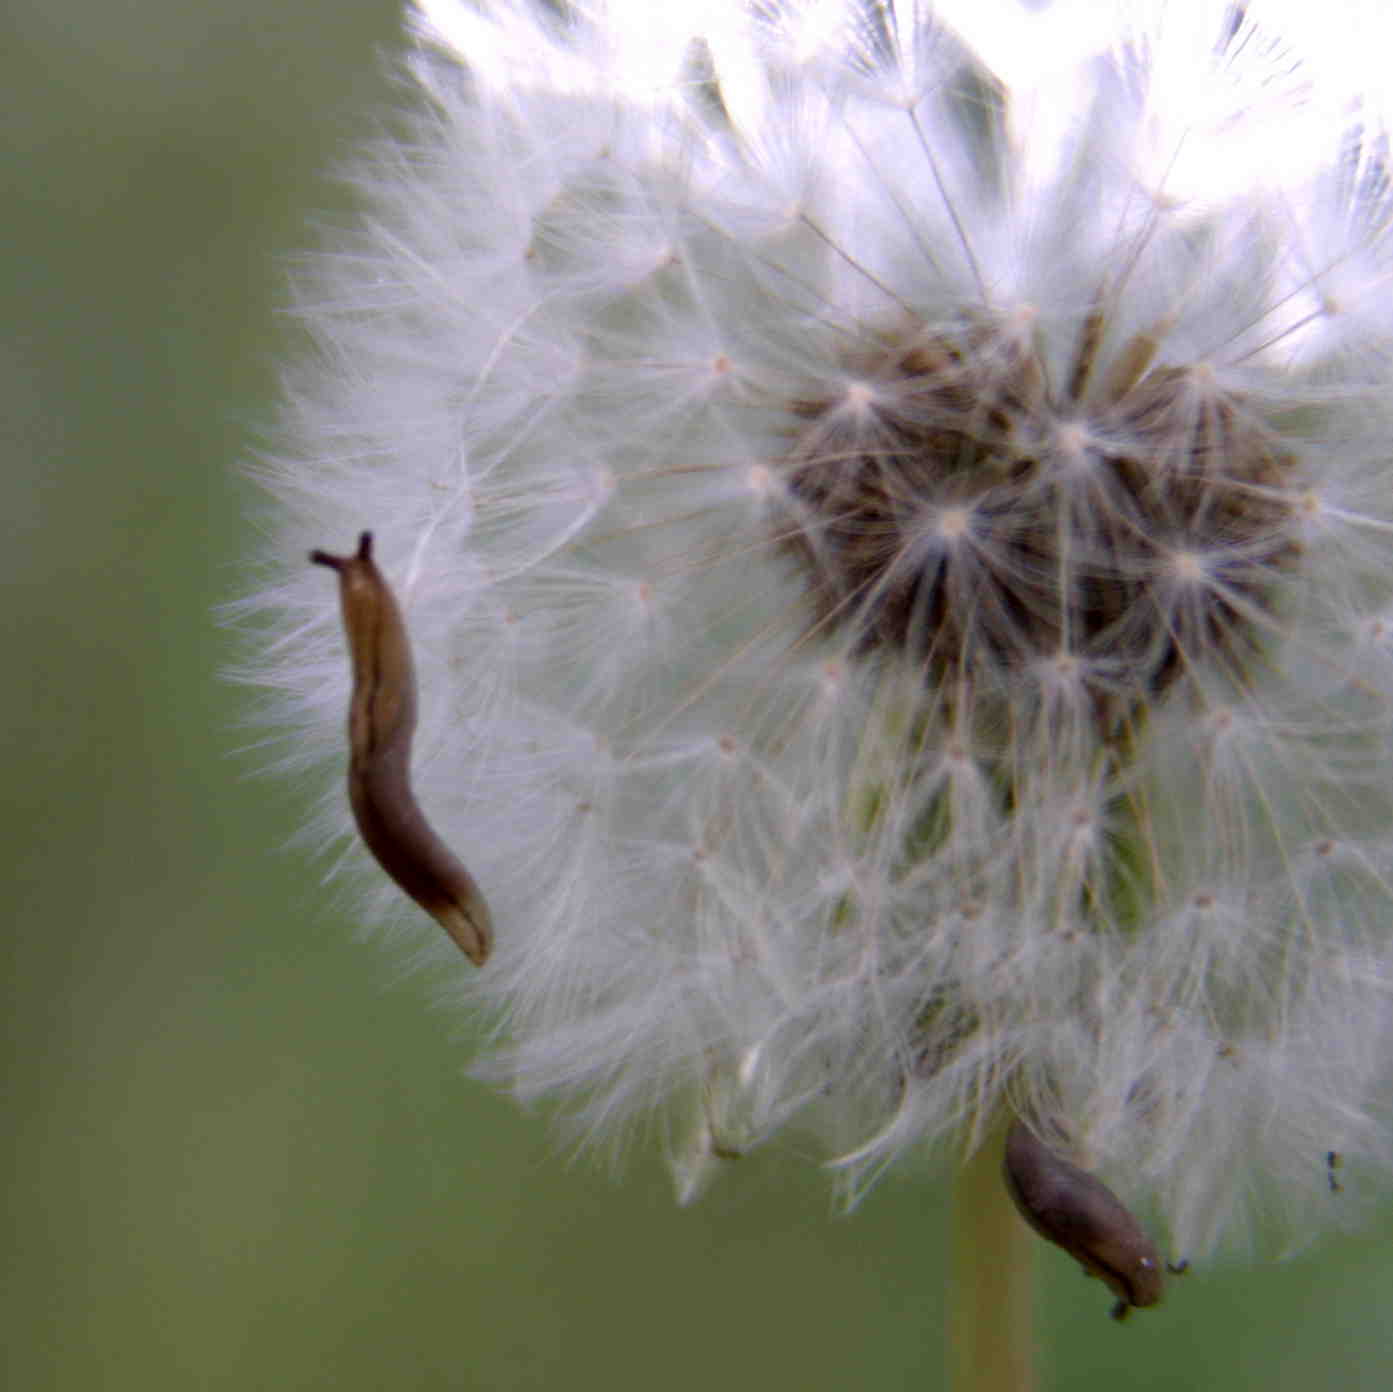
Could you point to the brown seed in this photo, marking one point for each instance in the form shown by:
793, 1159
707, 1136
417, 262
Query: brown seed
381, 722
1081, 1214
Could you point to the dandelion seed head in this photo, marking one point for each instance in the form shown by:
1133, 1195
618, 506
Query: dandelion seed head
893, 506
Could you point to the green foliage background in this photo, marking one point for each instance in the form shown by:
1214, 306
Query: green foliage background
240, 1151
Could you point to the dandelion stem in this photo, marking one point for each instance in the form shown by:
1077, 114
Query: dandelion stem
990, 1287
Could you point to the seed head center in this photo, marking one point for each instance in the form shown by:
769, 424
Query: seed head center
1082, 509
953, 523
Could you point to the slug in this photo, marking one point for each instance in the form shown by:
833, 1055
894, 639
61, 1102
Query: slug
381, 722
1079, 1213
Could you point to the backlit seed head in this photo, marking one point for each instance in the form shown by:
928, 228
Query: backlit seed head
895, 505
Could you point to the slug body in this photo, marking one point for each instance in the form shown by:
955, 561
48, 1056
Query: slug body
1079, 1213
381, 722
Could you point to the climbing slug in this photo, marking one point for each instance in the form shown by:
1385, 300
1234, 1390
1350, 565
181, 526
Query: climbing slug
1079, 1213
381, 722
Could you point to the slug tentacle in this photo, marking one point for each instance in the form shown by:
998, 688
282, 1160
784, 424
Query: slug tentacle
381, 722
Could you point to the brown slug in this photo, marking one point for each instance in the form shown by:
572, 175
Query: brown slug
381, 722
1079, 1213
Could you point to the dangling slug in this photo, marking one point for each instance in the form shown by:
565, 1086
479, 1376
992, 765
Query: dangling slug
1079, 1213
381, 722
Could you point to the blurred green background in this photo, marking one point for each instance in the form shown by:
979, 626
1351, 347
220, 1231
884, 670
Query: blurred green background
241, 1151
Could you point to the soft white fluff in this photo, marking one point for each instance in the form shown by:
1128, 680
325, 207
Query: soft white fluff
745, 874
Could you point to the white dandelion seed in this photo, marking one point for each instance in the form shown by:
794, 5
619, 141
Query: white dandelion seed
894, 508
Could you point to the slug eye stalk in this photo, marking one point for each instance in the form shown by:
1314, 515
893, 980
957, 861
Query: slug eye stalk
381, 722
1078, 1212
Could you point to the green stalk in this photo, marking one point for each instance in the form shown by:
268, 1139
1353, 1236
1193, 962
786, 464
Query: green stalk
990, 1284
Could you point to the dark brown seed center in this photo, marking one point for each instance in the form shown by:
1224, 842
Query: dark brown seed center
949, 506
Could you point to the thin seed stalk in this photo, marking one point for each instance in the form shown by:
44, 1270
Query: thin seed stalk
990, 1281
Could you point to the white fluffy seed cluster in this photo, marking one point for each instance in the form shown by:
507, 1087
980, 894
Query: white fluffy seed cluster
894, 507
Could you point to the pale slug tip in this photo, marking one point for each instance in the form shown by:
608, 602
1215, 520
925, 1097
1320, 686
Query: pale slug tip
381, 722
